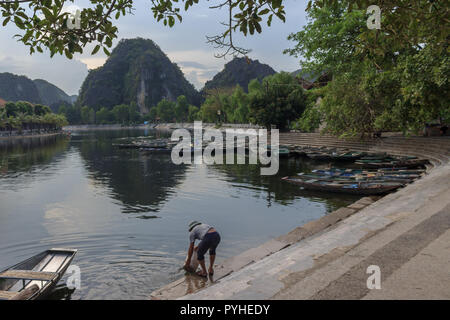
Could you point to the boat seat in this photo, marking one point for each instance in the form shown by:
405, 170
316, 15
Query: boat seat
6, 295
28, 275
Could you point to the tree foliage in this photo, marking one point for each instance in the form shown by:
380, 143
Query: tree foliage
229, 105
165, 111
396, 78
277, 101
25, 116
139, 72
45, 24
239, 71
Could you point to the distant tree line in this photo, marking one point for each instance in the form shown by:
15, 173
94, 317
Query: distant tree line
19, 116
276, 101
120, 114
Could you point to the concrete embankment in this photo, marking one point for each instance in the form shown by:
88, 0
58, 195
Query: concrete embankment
405, 234
86, 127
159, 126
205, 125
27, 136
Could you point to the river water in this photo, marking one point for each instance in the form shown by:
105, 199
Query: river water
127, 213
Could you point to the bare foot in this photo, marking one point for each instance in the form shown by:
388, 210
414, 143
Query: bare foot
188, 269
202, 274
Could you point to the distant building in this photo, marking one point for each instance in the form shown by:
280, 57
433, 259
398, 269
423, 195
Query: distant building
2, 102
315, 82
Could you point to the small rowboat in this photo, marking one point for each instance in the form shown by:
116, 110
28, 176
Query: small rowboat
35, 277
366, 174
143, 144
320, 156
283, 151
388, 171
346, 156
414, 163
356, 178
155, 150
362, 188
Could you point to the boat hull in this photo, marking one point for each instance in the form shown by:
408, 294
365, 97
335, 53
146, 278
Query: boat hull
53, 261
377, 189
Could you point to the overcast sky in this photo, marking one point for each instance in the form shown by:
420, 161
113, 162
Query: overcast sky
184, 44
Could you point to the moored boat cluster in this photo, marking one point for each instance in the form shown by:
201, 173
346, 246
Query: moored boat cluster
370, 173
356, 181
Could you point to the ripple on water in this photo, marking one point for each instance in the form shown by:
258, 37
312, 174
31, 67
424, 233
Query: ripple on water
127, 214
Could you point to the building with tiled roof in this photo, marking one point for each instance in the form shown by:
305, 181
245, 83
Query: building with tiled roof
2, 102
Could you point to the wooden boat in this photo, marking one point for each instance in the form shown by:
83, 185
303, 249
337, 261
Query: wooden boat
361, 188
155, 150
283, 151
320, 156
375, 156
338, 171
357, 178
143, 144
299, 152
35, 277
346, 156
126, 145
368, 174
414, 163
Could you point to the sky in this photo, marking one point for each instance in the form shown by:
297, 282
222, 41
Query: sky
185, 44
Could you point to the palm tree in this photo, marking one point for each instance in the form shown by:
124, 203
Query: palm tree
2, 118
12, 123
21, 120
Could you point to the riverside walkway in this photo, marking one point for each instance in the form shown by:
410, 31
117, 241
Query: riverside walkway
405, 234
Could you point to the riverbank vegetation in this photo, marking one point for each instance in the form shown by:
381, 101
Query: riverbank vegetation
277, 100
395, 78
24, 116
363, 80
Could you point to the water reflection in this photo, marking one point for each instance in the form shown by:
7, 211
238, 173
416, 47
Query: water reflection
140, 182
273, 189
127, 213
25, 155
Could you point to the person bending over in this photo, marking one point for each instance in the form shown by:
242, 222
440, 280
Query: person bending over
209, 239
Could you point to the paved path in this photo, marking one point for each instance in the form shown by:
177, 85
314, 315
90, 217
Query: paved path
406, 234
425, 276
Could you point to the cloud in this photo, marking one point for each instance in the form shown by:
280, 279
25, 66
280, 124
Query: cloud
9, 64
65, 74
93, 62
192, 77
192, 64
197, 73
184, 44
208, 75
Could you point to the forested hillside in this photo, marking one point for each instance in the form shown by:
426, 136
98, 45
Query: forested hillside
239, 71
139, 72
18, 88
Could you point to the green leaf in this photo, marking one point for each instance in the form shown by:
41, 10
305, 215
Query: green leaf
47, 13
171, 21
69, 55
5, 22
22, 14
96, 49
